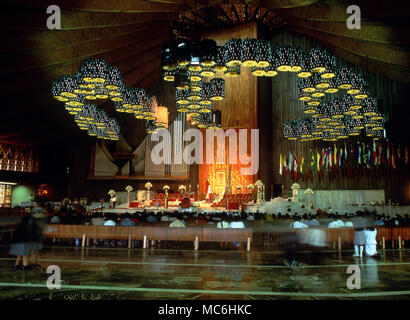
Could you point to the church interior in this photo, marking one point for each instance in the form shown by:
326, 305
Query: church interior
204, 150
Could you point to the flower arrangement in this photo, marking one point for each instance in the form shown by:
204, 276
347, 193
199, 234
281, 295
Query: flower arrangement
308, 191
111, 193
166, 187
258, 183
148, 185
295, 186
250, 186
66, 201
239, 187
181, 187
128, 188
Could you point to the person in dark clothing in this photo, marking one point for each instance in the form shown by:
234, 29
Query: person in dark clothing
20, 242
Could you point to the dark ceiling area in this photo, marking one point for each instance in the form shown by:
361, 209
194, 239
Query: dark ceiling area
129, 35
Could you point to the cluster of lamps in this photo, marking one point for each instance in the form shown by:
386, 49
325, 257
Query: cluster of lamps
96, 80
337, 119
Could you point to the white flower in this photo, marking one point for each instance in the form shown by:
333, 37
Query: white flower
111, 193
148, 185
295, 186
239, 187
308, 191
166, 187
251, 186
128, 188
181, 187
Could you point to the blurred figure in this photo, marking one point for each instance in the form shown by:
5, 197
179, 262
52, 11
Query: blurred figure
20, 243
370, 242
40, 220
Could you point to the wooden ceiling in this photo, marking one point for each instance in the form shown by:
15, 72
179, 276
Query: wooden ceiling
129, 34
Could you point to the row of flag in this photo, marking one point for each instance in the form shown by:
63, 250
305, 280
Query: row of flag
328, 159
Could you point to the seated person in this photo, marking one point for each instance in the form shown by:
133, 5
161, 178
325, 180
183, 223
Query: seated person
223, 224
151, 218
97, 220
55, 219
236, 223
127, 222
250, 217
177, 224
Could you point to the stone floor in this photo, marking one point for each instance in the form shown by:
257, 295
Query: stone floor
118, 273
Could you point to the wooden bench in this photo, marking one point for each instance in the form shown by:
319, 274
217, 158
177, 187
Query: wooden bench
146, 233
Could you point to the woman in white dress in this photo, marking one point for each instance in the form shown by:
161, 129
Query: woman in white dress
370, 242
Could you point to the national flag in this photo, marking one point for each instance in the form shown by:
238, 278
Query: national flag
393, 157
312, 161
345, 152
359, 154
318, 161
302, 161
335, 156
284, 166
388, 155
330, 158
290, 162
406, 155
369, 159
379, 162
340, 157
280, 164
398, 153
295, 167
374, 153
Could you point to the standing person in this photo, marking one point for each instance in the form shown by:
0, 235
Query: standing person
359, 235
20, 243
39, 221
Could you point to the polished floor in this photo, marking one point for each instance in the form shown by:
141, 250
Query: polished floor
120, 273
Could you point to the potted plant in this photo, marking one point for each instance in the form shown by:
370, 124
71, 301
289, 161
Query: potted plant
128, 189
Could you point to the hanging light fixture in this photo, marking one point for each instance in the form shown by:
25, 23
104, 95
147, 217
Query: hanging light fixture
207, 53
206, 94
296, 59
194, 76
56, 89
150, 108
289, 130
330, 65
358, 84
182, 80
182, 96
94, 70
305, 67
343, 77
319, 93
357, 115
183, 55
204, 120
317, 60
195, 95
313, 102
217, 89
195, 58
220, 59
182, 107
248, 52
150, 126
281, 55
308, 109
116, 95
303, 96
68, 85
332, 88
113, 79
370, 107
306, 84
263, 53
378, 135
258, 71
161, 116
232, 71
168, 56
379, 126
207, 72
319, 82
232, 53
168, 75
270, 71
335, 110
